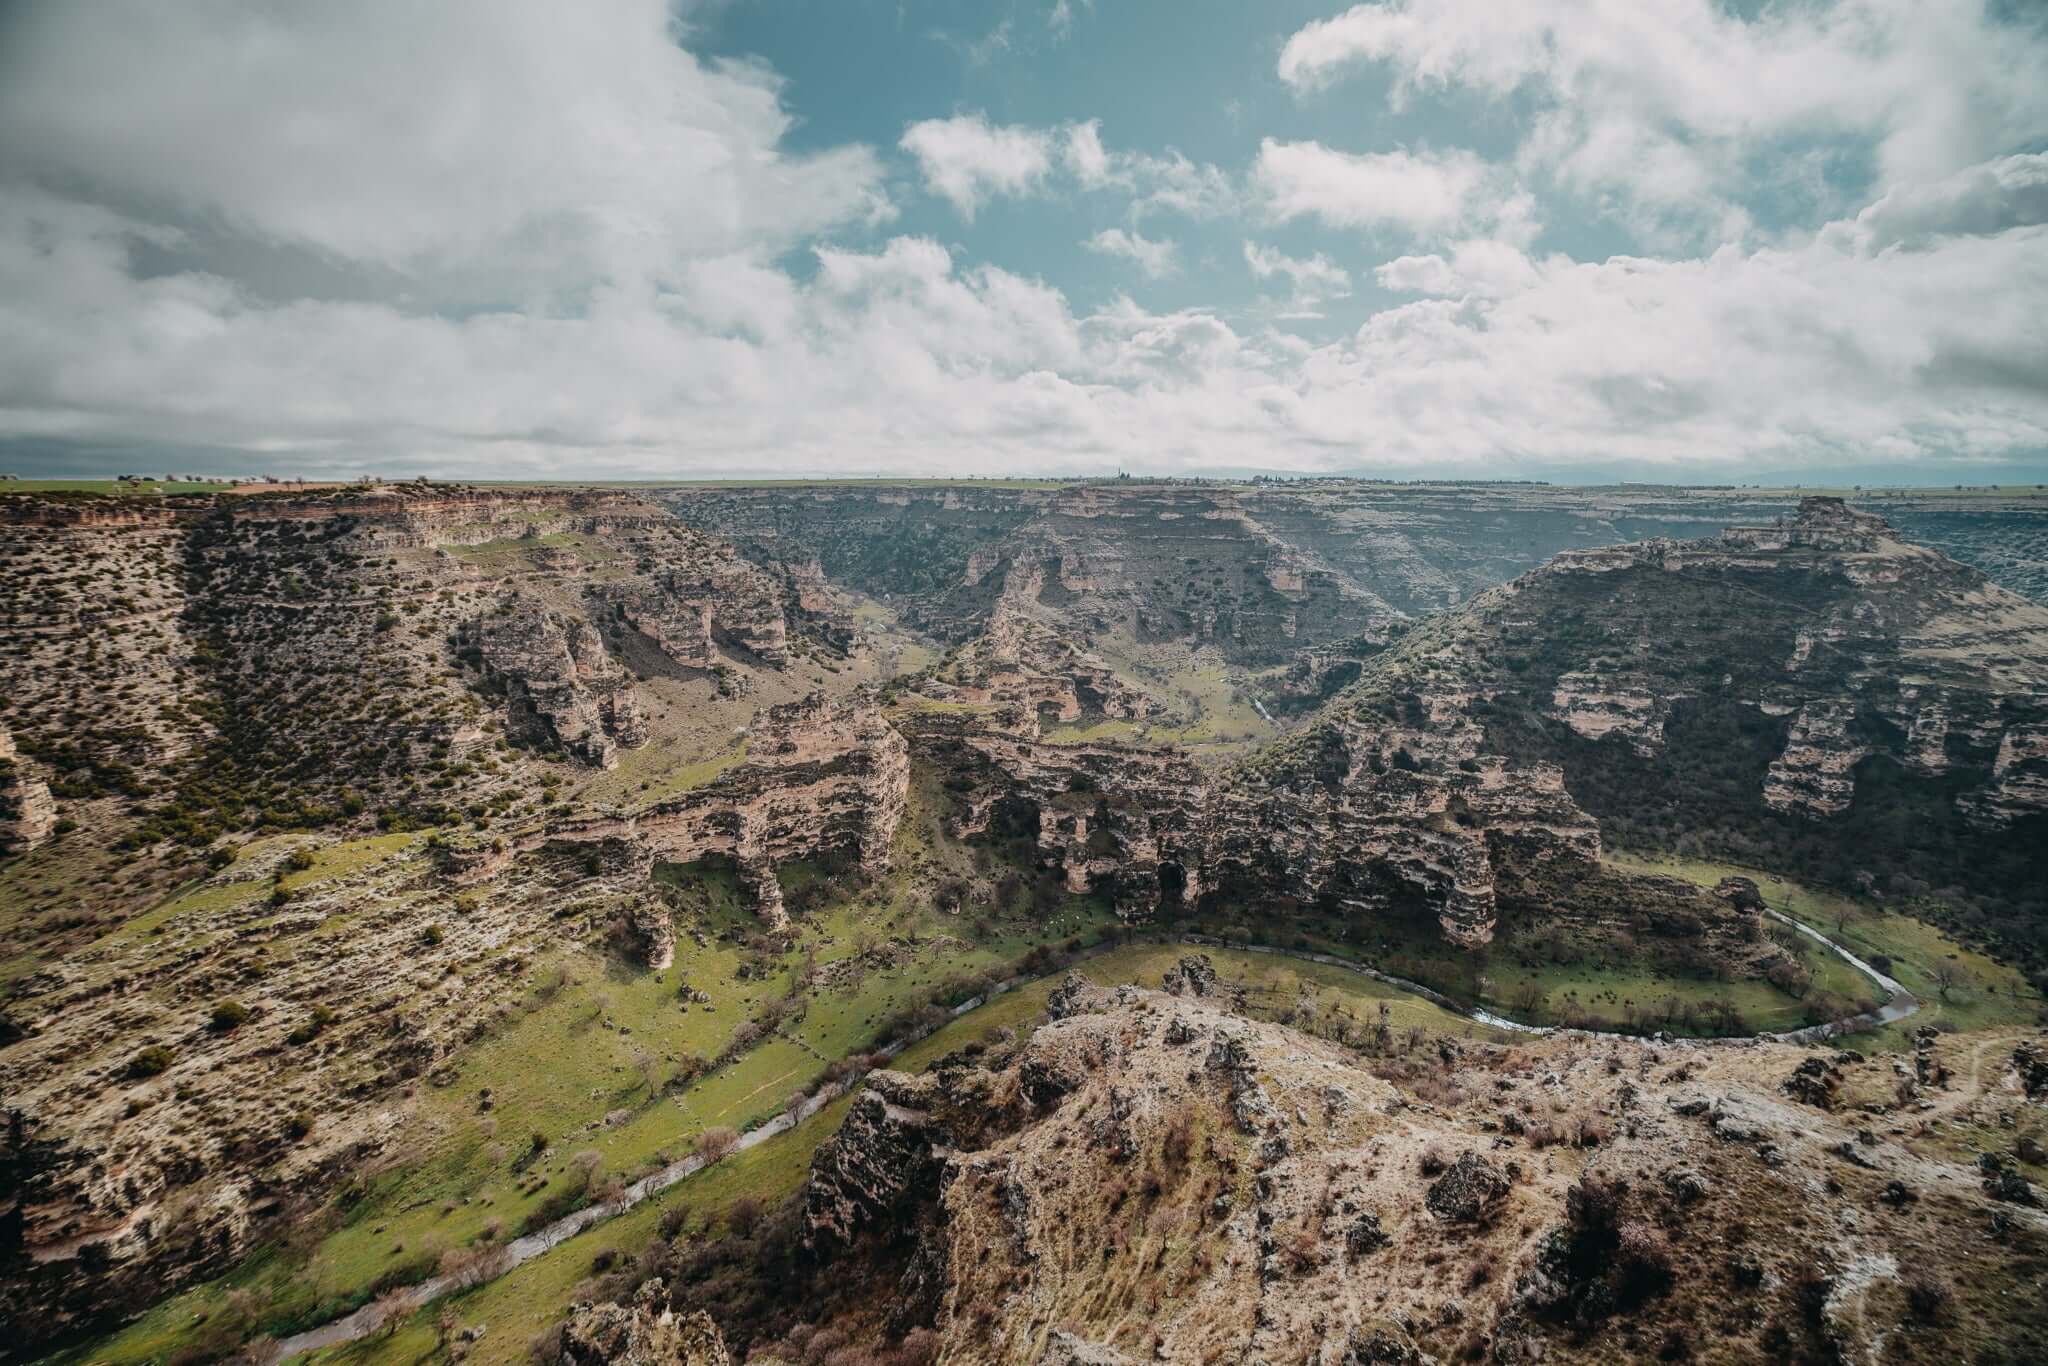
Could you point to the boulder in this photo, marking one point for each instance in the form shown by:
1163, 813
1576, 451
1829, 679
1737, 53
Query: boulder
648, 1333
1468, 1190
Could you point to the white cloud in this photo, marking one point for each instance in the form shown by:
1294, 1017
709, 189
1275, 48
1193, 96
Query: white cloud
1172, 181
1419, 192
1156, 259
2009, 192
622, 310
1667, 102
1311, 279
967, 159
1478, 267
1830, 351
477, 145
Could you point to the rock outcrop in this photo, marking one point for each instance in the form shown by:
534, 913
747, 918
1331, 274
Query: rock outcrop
28, 814
1327, 1225
648, 1333
562, 687
820, 776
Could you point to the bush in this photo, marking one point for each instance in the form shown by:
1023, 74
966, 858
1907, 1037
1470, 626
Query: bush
1927, 1298
150, 1061
229, 1015
433, 935
716, 1144
299, 860
321, 1017
744, 1216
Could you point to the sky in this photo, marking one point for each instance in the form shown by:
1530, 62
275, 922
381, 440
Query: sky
1799, 241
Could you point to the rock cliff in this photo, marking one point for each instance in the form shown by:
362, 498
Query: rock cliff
820, 776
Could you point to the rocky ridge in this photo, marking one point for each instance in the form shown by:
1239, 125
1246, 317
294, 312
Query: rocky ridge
1151, 1176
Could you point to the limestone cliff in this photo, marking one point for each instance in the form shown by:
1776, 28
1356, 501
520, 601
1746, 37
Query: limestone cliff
562, 687
820, 776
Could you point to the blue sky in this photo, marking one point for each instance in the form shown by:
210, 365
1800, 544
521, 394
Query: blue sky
1197, 77
1572, 239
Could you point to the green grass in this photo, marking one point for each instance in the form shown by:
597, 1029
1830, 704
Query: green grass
1588, 984
152, 488
1990, 994
655, 765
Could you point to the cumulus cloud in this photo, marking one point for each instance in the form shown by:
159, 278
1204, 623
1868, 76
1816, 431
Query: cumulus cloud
1156, 259
966, 159
1667, 103
597, 284
1479, 267
1172, 181
469, 146
1418, 192
1312, 279
2007, 193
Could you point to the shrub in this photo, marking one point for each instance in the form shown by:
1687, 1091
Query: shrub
229, 1015
321, 1017
744, 1216
299, 1125
1927, 1298
299, 860
433, 935
1642, 1256
716, 1144
150, 1061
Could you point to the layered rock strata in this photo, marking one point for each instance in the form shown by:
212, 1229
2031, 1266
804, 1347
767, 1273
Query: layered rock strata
820, 776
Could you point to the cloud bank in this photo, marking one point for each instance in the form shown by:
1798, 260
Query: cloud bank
524, 239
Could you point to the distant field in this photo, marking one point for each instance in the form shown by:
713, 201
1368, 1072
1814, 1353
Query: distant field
777, 483
156, 488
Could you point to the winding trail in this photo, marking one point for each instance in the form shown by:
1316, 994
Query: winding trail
1899, 1005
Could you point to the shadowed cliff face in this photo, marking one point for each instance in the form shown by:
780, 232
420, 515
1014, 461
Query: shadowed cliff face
1818, 686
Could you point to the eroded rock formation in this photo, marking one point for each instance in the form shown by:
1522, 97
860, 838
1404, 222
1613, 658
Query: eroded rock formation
28, 814
820, 776
562, 687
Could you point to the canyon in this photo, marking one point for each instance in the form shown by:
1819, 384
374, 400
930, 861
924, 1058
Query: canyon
321, 809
